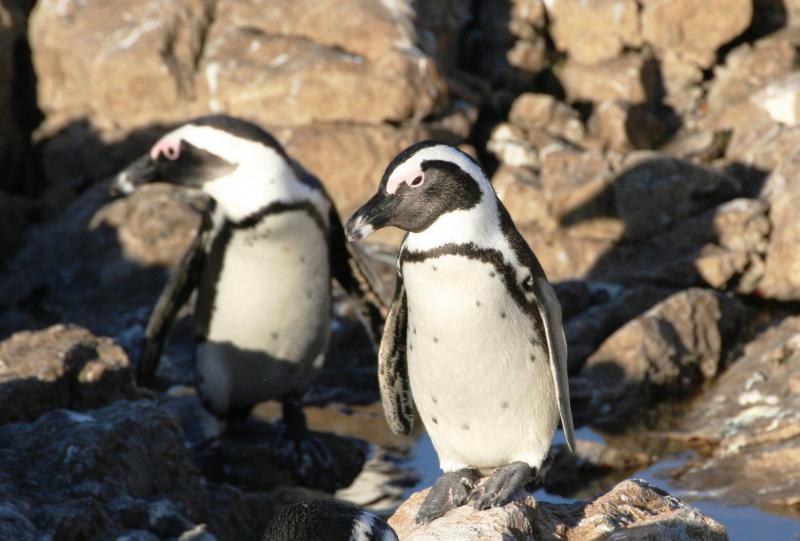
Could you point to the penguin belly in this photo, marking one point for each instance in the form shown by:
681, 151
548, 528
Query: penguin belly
269, 312
479, 372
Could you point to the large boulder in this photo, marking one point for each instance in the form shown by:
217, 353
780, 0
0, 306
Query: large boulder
665, 353
782, 268
631, 510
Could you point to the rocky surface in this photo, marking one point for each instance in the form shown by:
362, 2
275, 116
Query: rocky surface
631, 510
646, 149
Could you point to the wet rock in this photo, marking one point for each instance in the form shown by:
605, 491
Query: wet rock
629, 77
745, 427
655, 191
593, 32
125, 461
678, 26
664, 353
782, 268
632, 509
60, 367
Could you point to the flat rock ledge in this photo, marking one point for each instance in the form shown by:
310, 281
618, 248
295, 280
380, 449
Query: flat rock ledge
633, 509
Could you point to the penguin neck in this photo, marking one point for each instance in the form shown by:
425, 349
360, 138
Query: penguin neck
479, 225
251, 188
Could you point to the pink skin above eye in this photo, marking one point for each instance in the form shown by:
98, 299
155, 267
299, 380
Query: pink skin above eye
414, 179
170, 148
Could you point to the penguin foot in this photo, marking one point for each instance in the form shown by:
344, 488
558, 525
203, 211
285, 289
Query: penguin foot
499, 489
451, 490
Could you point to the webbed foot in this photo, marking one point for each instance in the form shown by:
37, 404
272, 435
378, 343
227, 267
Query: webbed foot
500, 487
451, 490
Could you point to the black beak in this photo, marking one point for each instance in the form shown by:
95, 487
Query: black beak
375, 214
139, 172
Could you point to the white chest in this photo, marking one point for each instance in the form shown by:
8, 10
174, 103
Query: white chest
480, 375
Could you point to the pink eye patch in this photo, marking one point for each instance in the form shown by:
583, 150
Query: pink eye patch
170, 148
415, 178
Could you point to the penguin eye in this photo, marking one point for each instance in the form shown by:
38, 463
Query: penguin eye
417, 181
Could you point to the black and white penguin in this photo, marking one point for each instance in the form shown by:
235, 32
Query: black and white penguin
262, 263
474, 332
327, 520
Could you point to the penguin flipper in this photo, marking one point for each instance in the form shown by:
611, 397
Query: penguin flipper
550, 311
350, 268
180, 285
392, 366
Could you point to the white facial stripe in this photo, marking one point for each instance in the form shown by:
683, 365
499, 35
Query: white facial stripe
405, 178
169, 146
408, 170
262, 175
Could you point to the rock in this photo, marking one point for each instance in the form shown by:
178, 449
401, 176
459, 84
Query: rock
631, 510
736, 258
98, 251
746, 426
748, 68
593, 32
60, 367
654, 191
782, 267
586, 330
544, 112
629, 77
520, 190
577, 185
623, 126
682, 83
678, 26
779, 99
520, 147
664, 353
123, 462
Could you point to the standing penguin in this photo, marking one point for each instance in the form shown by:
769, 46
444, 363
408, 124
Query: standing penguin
474, 332
262, 264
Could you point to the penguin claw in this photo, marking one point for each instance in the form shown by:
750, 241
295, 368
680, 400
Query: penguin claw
500, 488
451, 490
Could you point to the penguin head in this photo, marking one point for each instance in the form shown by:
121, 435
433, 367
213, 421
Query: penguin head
424, 182
234, 161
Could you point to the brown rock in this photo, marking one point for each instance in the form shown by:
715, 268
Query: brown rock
630, 510
695, 34
667, 351
545, 112
747, 68
628, 78
748, 423
682, 84
623, 126
736, 258
593, 32
577, 184
521, 192
520, 147
60, 367
782, 270
655, 191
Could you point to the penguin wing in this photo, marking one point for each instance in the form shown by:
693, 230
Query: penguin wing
181, 283
550, 311
392, 369
350, 268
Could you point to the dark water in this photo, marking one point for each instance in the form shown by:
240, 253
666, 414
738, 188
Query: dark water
743, 523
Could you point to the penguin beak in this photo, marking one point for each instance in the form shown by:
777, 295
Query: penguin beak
375, 214
139, 172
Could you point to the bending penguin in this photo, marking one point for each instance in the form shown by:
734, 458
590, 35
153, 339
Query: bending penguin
262, 263
474, 332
